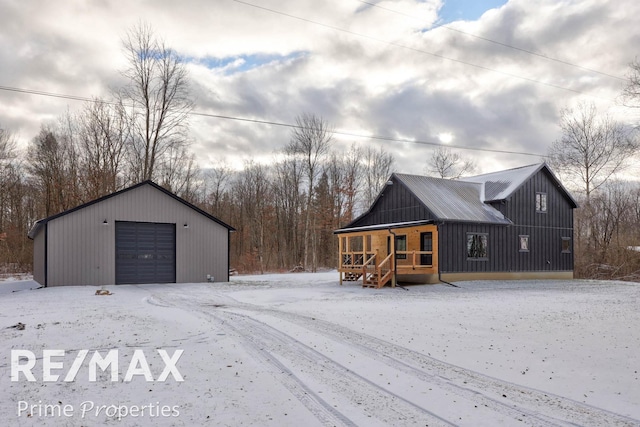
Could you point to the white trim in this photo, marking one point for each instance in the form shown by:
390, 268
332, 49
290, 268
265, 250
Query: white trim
383, 226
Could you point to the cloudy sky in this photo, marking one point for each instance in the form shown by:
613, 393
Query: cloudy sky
482, 74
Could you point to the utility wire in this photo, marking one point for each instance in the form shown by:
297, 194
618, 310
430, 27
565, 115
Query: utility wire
374, 137
437, 55
530, 52
288, 125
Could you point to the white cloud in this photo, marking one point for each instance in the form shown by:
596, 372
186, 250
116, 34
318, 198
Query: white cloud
274, 67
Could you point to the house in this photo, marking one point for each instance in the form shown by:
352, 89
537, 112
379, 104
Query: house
142, 234
513, 224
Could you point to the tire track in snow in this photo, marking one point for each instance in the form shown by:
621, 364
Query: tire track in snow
323, 411
334, 373
530, 406
531, 401
269, 345
538, 407
433, 381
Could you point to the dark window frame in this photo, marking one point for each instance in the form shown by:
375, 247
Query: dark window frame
523, 238
568, 242
398, 239
482, 251
542, 202
426, 259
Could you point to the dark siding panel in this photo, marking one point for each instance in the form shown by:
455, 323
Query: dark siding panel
545, 249
397, 204
521, 206
545, 230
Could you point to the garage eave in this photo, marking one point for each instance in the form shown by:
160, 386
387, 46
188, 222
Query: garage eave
42, 222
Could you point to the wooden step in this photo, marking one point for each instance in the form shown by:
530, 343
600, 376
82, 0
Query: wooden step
351, 277
370, 281
373, 281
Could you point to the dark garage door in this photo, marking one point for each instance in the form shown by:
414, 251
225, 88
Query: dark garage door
145, 253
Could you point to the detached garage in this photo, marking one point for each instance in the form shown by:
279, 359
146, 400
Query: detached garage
142, 234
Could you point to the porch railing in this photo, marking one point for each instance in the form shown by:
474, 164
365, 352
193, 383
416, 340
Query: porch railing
413, 259
378, 275
352, 260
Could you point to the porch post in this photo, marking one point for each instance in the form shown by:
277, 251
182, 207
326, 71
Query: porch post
340, 257
393, 259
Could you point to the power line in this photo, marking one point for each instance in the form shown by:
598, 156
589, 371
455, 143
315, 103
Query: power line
437, 55
50, 94
520, 49
374, 137
288, 125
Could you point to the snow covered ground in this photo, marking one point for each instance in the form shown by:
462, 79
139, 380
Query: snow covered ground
298, 349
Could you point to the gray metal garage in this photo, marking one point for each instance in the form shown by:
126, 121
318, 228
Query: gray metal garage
142, 234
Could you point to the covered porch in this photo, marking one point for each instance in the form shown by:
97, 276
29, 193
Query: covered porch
388, 254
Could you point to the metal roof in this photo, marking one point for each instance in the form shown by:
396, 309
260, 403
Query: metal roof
39, 224
451, 200
500, 185
467, 199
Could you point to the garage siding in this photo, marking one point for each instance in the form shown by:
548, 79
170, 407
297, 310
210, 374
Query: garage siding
38, 257
81, 246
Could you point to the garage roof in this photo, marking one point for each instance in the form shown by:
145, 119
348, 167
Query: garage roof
42, 222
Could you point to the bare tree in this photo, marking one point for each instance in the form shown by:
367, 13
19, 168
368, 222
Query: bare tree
216, 181
7, 145
311, 141
53, 166
631, 92
17, 208
288, 200
352, 183
607, 210
7, 170
104, 130
159, 99
378, 166
254, 194
179, 173
446, 164
592, 147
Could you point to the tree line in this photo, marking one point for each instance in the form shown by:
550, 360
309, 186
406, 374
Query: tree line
285, 211
596, 157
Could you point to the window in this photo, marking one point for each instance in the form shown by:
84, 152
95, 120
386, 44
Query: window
523, 243
541, 202
566, 245
477, 246
401, 245
426, 245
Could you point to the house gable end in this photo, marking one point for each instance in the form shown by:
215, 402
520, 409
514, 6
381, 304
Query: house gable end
559, 205
395, 204
502, 185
